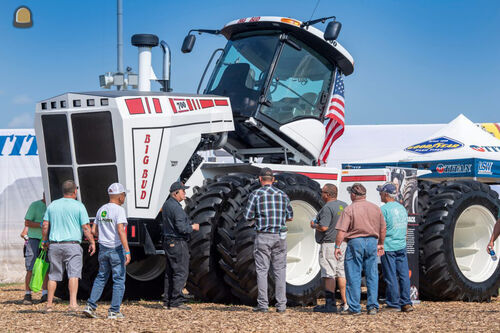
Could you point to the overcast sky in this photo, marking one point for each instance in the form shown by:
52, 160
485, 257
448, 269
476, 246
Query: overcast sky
415, 61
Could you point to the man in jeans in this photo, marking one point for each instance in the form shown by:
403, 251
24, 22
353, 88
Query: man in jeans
114, 253
270, 208
363, 226
394, 261
66, 218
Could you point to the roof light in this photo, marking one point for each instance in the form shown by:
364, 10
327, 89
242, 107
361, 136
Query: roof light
291, 21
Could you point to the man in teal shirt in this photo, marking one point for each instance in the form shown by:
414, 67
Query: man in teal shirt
394, 261
67, 218
32, 233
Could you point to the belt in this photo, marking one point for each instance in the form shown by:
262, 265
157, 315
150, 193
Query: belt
65, 242
266, 232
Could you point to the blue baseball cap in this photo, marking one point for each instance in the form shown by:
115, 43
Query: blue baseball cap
387, 187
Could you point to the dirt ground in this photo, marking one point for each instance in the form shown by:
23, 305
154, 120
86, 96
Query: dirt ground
148, 316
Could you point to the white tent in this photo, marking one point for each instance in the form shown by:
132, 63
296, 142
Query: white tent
460, 149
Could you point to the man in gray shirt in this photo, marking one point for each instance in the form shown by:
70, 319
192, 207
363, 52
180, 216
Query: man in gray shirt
326, 233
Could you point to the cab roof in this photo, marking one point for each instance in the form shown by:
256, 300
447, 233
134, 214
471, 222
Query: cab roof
312, 36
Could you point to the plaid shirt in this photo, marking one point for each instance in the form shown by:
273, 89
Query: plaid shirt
270, 208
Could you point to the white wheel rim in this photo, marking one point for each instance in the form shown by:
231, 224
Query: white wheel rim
471, 236
302, 263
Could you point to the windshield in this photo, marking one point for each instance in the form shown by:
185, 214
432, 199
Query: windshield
300, 79
241, 72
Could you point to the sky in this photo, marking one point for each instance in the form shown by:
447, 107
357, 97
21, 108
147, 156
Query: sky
415, 61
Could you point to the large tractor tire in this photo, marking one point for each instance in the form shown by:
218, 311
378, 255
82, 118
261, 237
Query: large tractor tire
206, 279
303, 273
457, 225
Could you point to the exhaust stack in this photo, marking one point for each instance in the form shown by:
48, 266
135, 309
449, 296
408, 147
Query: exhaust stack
145, 42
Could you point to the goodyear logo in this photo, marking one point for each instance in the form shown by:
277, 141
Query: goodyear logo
434, 145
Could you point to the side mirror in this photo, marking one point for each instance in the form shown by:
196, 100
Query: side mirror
188, 44
332, 30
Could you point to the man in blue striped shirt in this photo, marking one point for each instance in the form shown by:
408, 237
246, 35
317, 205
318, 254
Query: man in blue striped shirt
270, 209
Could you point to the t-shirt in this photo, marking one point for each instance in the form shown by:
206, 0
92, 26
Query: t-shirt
35, 214
66, 217
361, 219
107, 219
396, 218
328, 217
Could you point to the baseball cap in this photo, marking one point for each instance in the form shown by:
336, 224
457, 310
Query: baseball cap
387, 187
116, 188
266, 172
178, 186
357, 189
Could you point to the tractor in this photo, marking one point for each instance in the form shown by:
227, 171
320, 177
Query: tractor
264, 104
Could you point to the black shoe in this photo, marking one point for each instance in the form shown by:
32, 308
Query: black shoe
258, 309
281, 310
350, 313
407, 308
187, 297
27, 300
326, 308
180, 307
391, 309
43, 299
373, 311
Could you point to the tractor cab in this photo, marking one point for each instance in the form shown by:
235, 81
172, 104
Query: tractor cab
279, 74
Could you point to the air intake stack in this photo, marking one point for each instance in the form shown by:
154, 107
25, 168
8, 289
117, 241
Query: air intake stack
145, 42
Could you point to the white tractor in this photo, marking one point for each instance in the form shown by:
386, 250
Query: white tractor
264, 104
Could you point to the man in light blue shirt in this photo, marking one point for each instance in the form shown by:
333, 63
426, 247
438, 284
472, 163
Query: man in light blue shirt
67, 218
394, 261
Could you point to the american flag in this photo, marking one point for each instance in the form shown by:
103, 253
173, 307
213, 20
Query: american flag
334, 118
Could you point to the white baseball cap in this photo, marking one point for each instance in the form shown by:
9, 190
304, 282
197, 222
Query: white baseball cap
116, 188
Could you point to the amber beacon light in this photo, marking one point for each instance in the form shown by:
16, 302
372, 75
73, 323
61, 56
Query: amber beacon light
23, 17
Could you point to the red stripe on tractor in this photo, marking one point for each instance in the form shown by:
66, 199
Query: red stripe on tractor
147, 104
373, 178
221, 102
206, 103
135, 106
156, 103
189, 104
132, 232
173, 105
312, 175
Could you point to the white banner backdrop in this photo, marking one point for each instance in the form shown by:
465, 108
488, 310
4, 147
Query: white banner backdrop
20, 185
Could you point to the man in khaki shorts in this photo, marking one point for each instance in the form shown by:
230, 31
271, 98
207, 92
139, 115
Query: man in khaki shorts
326, 233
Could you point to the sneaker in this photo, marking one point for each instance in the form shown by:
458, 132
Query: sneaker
115, 315
343, 307
373, 311
259, 309
89, 312
27, 300
166, 306
180, 307
407, 308
350, 313
43, 299
281, 310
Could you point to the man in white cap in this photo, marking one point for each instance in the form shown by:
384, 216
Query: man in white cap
114, 253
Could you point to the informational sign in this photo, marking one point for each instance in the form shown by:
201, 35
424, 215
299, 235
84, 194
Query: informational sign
413, 254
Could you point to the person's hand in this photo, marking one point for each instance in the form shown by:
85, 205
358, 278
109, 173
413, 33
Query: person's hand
23, 234
338, 254
127, 259
313, 225
92, 248
490, 246
196, 227
45, 245
380, 250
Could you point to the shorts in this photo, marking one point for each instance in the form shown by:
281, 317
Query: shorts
331, 267
67, 257
31, 253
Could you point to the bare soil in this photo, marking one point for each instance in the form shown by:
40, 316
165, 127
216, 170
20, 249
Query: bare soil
148, 316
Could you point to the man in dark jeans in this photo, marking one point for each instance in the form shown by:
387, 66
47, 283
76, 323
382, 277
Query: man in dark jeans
176, 231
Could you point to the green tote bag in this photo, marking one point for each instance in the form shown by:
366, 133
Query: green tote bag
39, 271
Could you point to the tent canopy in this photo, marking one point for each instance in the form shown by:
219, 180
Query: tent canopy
460, 150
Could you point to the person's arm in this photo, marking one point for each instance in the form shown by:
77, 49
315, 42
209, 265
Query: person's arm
31, 224
95, 229
24, 233
381, 238
342, 226
88, 234
45, 234
250, 208
181, 222
289, 211
123, 238
494, 236
325, 218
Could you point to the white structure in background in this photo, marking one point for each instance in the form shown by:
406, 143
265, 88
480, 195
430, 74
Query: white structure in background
20, 184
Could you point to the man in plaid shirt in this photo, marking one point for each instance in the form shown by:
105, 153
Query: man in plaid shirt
270, 209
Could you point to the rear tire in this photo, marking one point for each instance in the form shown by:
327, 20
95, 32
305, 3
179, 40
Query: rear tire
457, 226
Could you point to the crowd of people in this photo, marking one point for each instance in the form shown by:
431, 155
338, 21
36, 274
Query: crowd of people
350, 239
